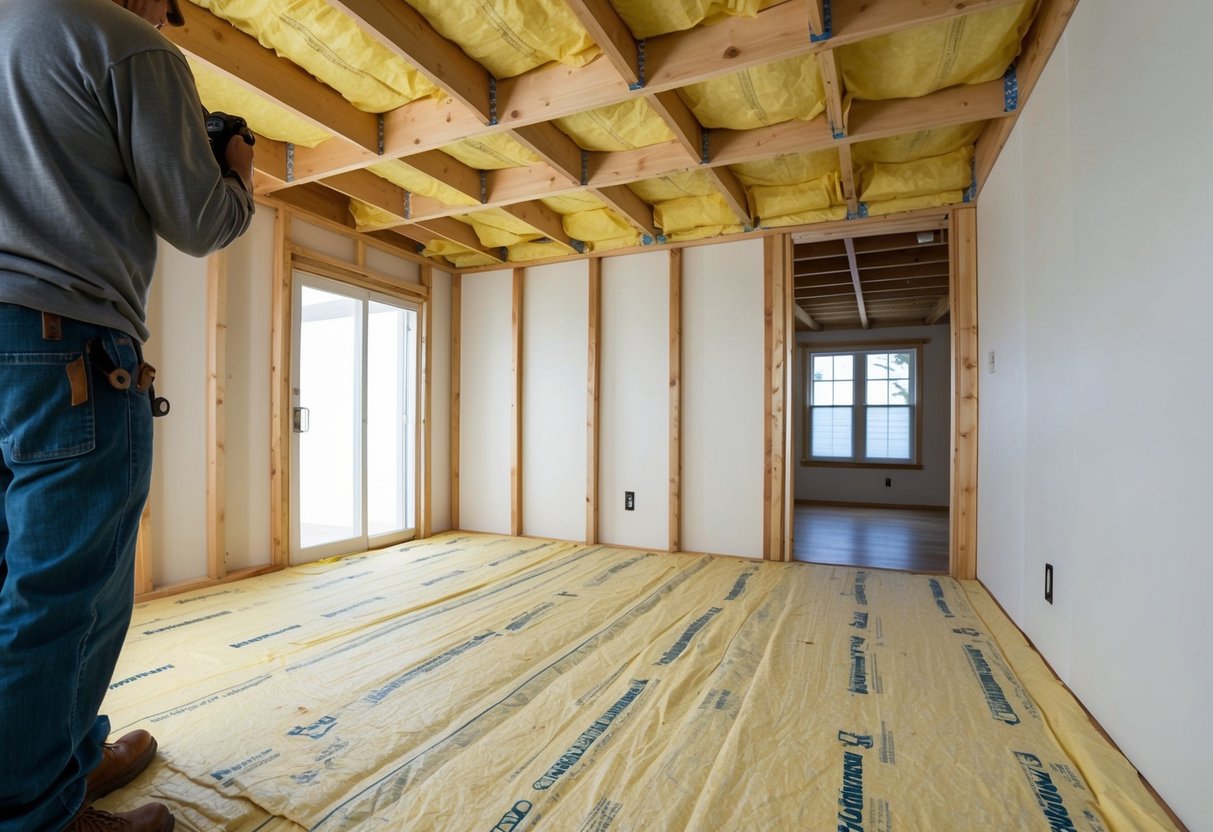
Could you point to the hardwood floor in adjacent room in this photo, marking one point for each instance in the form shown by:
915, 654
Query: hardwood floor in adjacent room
913, 540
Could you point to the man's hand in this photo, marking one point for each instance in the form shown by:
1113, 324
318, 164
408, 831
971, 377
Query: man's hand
239, 157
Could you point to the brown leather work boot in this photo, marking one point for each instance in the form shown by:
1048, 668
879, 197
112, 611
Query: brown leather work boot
121, 762
154, 817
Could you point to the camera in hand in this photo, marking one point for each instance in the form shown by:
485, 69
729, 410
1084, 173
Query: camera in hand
220, 127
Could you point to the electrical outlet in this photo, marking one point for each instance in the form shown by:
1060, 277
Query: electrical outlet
1049, 582
629, 501
888, 482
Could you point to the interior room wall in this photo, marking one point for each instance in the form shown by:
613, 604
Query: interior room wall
1097, 328
247, 395
634, 400
723, 332
177, 348
485, 394
927, 486
554, 349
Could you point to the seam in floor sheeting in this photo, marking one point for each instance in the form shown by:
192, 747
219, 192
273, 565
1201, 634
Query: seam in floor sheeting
471, 681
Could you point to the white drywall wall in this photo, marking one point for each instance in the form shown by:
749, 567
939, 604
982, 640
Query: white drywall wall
440, 404
1002, 430
1115, 474
485, 394
307, 235
928, 486
634, 384
554, 349
246, 411
723, 333
385, 262
177, 348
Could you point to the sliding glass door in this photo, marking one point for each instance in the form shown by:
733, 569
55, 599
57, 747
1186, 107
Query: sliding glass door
354, 388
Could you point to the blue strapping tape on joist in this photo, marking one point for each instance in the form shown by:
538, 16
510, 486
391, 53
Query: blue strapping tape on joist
639, 66
1010, 90
825, 16
646, 240
862, 213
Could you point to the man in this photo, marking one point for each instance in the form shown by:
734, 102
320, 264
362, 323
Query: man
102, 148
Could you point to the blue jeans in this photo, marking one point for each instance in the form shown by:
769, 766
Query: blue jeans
73, 480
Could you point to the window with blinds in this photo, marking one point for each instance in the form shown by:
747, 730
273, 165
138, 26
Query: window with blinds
862, 406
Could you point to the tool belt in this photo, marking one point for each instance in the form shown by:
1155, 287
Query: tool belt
98, 358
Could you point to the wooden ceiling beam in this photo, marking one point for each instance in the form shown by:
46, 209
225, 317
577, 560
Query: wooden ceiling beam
805, 318
554, 147
373, 190
873, 297
454, 231
404, 32
448, 170
942, 308
543, 219
634, 209
730, 187
241, 59
863, 314
614, 38
833, 284
687, 130
856, 20
673, 60
907, 272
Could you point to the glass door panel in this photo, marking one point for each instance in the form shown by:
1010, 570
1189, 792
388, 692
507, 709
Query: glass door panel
389, 428
329, 426
355, 387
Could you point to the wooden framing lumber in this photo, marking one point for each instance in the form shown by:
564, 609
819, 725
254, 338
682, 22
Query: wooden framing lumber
789, 470
557, 150
675, 443
607, 29
216, 384
687, 130
804, 317
240, 58
144, 569
634, 209
543, 219
403, 31
456, 372
457, 232
516, 501
774, 314
966, 364
941, 308
863, 312
280, 394
424, 478
593, 384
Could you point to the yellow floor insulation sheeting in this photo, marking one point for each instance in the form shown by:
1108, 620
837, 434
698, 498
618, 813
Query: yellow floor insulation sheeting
474, 682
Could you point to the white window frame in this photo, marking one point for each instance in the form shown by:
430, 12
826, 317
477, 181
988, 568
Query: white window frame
859, 353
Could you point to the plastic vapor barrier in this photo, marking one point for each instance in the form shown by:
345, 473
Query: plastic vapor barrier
480, 682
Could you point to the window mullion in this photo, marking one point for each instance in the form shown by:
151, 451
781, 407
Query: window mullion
859, 418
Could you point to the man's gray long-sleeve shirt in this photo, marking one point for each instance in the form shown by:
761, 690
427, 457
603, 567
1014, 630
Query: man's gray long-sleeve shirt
102, 147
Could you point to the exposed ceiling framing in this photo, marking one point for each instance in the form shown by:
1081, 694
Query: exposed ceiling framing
323, 180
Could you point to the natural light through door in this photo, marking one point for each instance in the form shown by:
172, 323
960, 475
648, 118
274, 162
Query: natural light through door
354, 386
